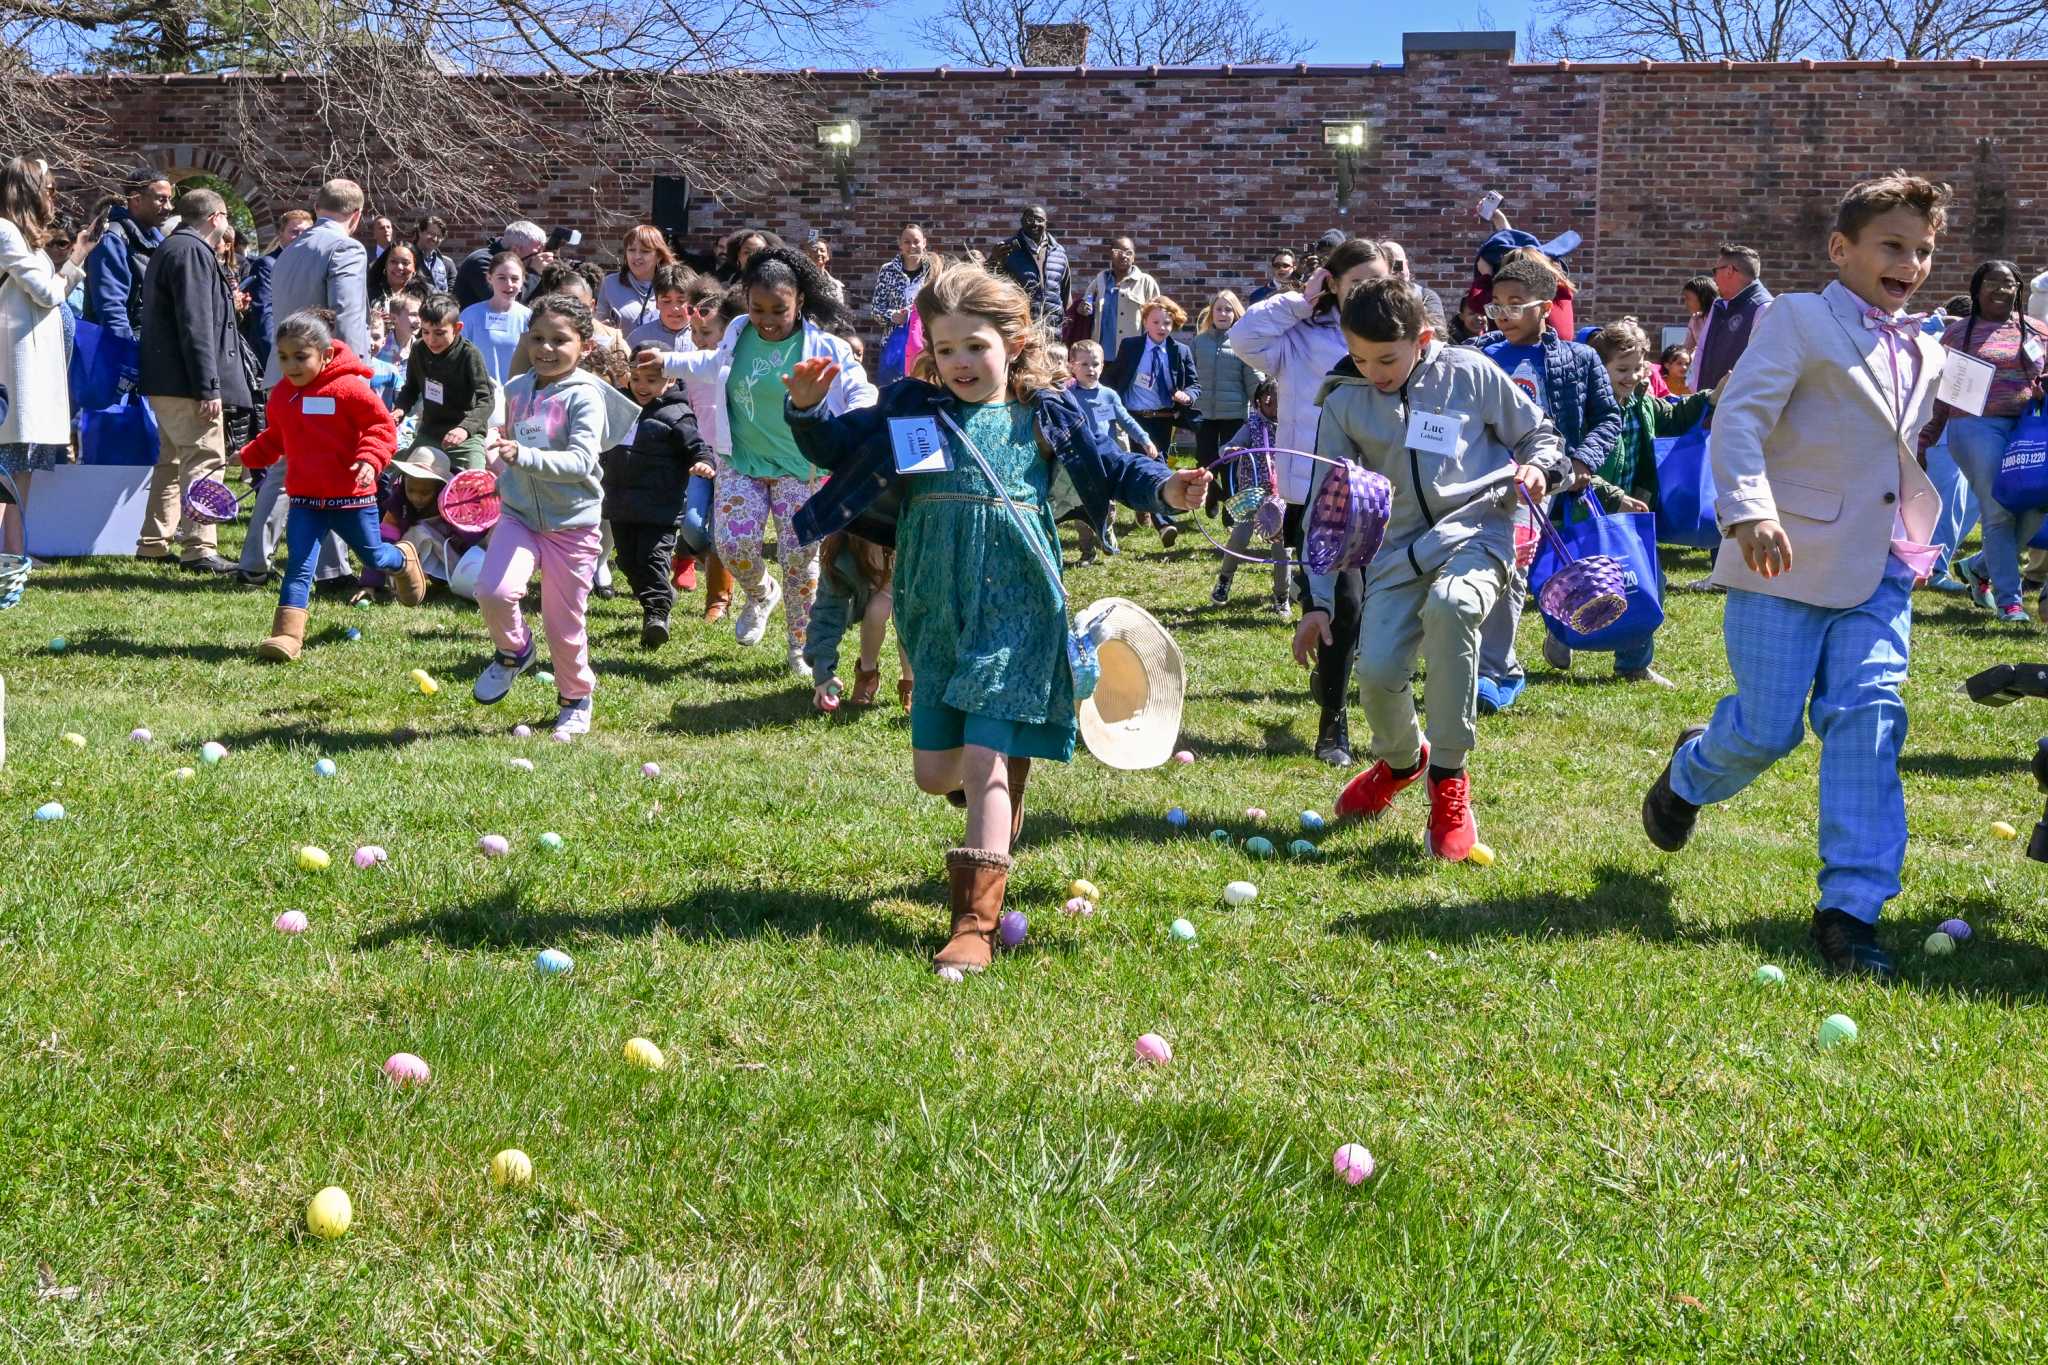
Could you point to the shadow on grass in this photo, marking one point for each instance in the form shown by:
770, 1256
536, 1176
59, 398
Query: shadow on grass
1968, 765
106, 645
1278, 740
1625, 901
713, 913
1393, 856
784, 708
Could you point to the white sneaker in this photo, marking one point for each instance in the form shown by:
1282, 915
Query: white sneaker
573, 720
797, 664
751, 622
499, 675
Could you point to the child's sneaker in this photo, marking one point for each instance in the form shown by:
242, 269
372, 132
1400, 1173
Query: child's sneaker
752, 622
1368, 795
573, 719
2013, 614
1557, 654
798, 664
1970, 573
1645, 675
1849, 947
1452, 831
1220, 594
499, 675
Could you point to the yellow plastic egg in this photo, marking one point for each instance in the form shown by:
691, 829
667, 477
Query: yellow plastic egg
1085, 889
1481, 855
313, 858
644, 1054
2003, 830
329, 1213
74, 739
425, 681
511, 1168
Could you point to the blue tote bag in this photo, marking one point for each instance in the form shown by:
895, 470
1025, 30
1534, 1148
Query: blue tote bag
122, 433
103, 367
1685, 492
2021, 483
1630, 537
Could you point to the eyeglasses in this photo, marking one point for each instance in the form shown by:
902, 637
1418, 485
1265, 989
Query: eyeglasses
1501, 312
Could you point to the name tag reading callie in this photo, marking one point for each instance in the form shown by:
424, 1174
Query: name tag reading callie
1435, 432
919, 447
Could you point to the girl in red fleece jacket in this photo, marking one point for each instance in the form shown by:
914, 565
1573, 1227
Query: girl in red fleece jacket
335, 436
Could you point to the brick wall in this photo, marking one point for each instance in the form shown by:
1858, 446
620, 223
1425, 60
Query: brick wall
1209, 170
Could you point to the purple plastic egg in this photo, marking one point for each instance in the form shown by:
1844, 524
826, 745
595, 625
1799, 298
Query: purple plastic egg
1012, 927
1959, 930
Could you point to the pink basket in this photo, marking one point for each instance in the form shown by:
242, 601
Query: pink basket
469, 501
1347, 521
211, 502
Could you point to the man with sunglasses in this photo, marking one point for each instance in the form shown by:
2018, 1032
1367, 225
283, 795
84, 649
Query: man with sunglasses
1279, 276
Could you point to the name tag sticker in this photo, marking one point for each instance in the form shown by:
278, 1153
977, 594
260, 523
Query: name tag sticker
1965, 382
2035, 349
435, 391
919, 447
632, 433
530, 432
317, 407
1435, 432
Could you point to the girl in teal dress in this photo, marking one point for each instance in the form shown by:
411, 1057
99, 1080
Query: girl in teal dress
979, 606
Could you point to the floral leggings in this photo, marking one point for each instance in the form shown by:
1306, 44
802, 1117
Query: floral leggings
746, 506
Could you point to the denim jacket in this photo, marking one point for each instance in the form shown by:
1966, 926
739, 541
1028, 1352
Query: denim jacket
864, 493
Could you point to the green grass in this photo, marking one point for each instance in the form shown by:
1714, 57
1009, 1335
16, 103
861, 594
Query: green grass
1596, 1138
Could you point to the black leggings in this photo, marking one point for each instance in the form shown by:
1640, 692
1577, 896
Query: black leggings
1335, 664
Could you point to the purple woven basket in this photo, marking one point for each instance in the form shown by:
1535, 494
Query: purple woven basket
1347, 521
1586, 595
211, 501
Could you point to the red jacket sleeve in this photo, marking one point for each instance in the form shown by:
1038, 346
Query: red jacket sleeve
266, 450
376, 430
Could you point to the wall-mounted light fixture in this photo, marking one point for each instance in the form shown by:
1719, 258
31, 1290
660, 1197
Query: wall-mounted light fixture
1347, 140
839, 138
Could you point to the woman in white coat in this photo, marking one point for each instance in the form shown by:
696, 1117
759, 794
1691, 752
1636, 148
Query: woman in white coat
35, 433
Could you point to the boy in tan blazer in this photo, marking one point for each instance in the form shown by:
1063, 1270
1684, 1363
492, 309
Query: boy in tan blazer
1825, 513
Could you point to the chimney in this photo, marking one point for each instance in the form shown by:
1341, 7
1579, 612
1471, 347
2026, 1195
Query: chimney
1055, 44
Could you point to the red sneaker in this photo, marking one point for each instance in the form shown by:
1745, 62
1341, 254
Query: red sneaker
1452, 830
685, 576
1370, 793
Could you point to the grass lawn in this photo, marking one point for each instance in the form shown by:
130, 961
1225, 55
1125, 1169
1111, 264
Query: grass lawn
1596, 1138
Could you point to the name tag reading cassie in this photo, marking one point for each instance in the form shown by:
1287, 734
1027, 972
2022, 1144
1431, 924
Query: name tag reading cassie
1435, 432
919, 447
530, 432
435, 391
317, 407
1965, 383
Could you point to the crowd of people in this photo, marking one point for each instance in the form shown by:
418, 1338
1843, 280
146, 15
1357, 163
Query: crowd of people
710, 421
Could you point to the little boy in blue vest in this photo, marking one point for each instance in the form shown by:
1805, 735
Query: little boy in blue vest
1826, 516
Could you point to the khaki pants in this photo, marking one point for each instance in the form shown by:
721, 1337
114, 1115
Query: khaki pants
1438, 615
189, 447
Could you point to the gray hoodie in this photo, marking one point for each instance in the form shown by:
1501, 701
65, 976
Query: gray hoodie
1440, 501
561, 429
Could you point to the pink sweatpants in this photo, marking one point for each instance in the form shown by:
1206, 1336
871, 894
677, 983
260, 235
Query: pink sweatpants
567, 560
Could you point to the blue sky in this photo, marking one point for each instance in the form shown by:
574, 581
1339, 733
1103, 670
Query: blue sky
1370, 32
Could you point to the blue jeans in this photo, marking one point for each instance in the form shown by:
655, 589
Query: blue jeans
1958, 502
304, 529
1977, 444
1850, 662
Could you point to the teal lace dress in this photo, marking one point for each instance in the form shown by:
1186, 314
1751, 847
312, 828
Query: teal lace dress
981, 619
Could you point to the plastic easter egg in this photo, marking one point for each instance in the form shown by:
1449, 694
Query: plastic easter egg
952, 976
1153, 1050
522, 732
545, 677
290, 922
352, 635
140, 735
184, 774
1302, 848
1219, 836
1177, 817
1959, 930
551, 841
644, 1054
1254, 812
511, 1169
494, 845
324, 768
552, 962
368, 856
212, 751
1311, 822
1837, 1029
1184, 756
1259, 846
329, 1213
1353, 1164
1769, 975
1939, 944
2003, 830
313, 858
1240, 893
1481, 855
361, 604
650, 770
524, 765
424, 681
1012, 928
404, 1068
50, 810
1182, 931
1079, 905
1081, 886
58, 644
74, 739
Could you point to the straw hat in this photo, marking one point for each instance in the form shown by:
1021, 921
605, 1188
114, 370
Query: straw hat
1132, 720
426, 462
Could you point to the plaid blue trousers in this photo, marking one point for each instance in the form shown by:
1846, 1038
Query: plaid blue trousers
1841, 668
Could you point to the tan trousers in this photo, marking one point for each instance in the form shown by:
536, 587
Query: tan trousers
188, 447
1439, 616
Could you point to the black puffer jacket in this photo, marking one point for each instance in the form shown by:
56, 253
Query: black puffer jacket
645, 479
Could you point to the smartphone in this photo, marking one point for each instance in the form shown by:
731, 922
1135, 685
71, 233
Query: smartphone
1490, 205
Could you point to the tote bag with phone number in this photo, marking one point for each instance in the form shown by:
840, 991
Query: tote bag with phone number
1631, 538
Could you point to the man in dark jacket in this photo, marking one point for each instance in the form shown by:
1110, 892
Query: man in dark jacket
1733, 318
192, 367
473, 276
1037, 262
113, 272
646, 484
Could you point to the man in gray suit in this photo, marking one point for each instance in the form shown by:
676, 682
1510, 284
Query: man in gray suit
325, 268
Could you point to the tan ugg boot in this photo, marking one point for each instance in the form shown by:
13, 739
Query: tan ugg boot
287, 633
979, 877
410, 582
1020, 772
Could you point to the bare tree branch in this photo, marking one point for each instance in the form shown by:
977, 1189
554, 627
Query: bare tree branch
1782, 30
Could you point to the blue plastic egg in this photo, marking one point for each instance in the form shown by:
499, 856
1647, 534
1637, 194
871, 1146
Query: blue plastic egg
50, 810
1311, 822
1259, 846
1302, 848
1177, 817
324, 768
553, 962
352, 634
1220, 836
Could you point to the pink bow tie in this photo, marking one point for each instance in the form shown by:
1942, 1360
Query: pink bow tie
1903, 326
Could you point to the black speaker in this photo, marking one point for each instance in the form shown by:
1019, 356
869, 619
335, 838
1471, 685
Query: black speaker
671, 207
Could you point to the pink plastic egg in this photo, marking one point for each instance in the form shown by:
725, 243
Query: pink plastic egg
522, 732
1353, 1164
290, 922
1080, 905
1153, 1049
1184, 756
494, 845
369, 855
405, 1069
650, 770
1254, 812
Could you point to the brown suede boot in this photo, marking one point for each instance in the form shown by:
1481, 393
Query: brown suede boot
287, 633
717, 589
1020, 772
410, 582
979, 877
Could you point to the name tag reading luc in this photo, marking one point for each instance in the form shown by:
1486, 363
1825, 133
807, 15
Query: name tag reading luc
1965, 383
435, 391
920, 449
317, 407
1435, 432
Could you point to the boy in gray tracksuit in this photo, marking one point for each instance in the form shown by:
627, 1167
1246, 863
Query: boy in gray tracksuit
1454, 435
